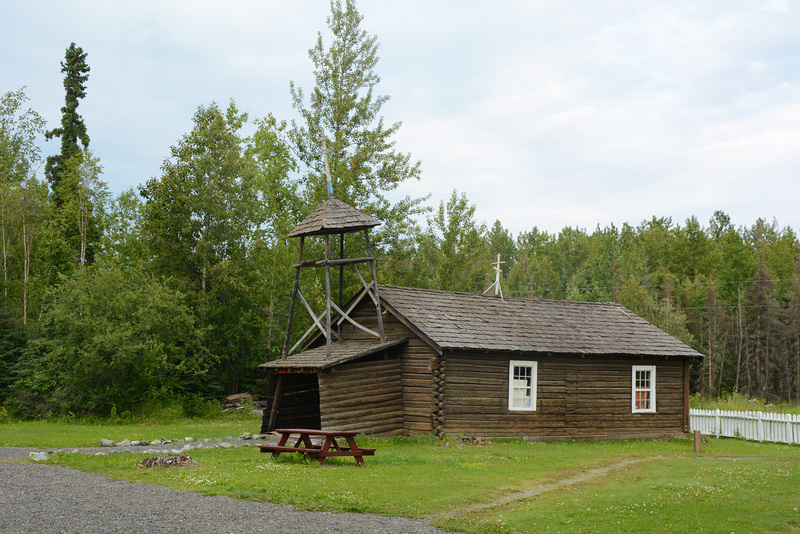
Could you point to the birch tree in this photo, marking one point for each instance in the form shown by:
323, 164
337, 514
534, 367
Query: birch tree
19, 156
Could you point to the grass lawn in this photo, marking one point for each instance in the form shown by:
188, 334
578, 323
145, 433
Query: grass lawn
504, 486
66, 434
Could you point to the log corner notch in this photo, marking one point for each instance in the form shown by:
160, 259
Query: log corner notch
686, 368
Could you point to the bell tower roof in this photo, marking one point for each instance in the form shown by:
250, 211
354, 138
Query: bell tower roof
334, 217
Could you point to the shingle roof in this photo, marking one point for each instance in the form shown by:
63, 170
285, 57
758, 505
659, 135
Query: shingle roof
316, 359
333, 217
453, 321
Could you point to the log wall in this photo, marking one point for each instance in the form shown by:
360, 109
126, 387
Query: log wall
417, 361
365, 397
577, 398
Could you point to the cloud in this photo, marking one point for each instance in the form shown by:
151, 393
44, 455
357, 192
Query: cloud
545, 114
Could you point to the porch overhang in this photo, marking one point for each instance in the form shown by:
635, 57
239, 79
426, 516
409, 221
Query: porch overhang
315, 360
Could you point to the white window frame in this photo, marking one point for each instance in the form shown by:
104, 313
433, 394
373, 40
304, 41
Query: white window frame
651, 389
512, 387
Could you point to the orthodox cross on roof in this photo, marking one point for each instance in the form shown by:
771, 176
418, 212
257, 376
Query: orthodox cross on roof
496, 285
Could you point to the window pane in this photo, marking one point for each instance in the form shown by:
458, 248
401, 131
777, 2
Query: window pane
642, 400
642, 379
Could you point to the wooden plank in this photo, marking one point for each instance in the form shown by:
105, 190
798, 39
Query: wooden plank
356, 382
393, 428
336, 397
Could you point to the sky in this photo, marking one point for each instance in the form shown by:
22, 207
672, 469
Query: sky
543, 113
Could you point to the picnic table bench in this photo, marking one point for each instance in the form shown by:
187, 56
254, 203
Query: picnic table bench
329, 447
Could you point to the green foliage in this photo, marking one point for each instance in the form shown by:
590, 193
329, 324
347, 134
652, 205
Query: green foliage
273, 164
634, 296
73, 130
73, 174
78, 216
23, 204
202, 222
195, 406
454, 249
114, 337
12, 343
502, 242
203, 209
363, 163
18, 131
122, 239
739, 402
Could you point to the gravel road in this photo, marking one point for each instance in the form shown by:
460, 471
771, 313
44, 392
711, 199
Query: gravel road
43, 498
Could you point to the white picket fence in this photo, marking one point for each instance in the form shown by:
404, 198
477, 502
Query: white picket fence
759, 426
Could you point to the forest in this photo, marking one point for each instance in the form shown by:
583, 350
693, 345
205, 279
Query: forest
180, 288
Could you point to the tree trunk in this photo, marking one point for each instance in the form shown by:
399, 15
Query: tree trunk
739, 345
27, 245
5, 262
710, 358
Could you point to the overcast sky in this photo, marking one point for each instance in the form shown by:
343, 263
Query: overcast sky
545, 113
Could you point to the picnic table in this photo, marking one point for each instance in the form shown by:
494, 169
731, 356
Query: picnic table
329, 446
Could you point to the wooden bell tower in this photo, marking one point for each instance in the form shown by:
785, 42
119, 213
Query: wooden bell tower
333, 218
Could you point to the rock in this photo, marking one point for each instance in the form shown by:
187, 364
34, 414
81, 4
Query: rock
226, 445
37, 457
188, 440
240, 397
181, 460
237, 402
246, 435
106, 443
155, 442
124, 443
228, 438
135, 443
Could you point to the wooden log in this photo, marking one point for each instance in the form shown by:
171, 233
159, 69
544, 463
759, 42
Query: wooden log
363, 421
393, 428
394, 401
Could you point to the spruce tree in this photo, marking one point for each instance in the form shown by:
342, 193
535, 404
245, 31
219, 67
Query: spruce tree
73, 129
67, 171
